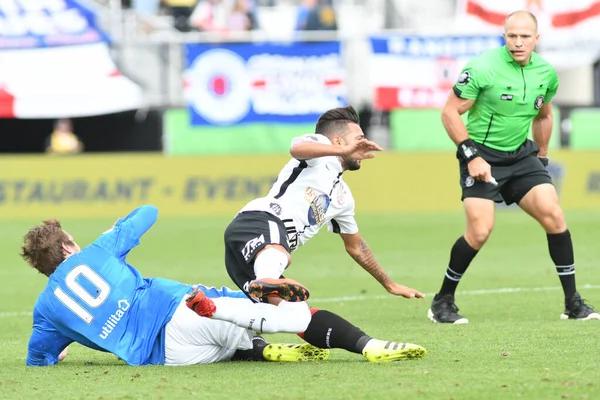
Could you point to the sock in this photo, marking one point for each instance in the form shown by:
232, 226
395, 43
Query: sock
561, 252
461, 256
253, 354
262, 317
330, 331
270, 263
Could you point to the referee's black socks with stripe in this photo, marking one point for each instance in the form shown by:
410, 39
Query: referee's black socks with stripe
330, 331
461, 256
561, 252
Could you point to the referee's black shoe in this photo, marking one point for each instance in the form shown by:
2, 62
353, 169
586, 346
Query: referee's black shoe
443, 310
575, 308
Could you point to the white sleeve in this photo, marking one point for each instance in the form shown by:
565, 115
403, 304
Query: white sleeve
345, 222
312, 137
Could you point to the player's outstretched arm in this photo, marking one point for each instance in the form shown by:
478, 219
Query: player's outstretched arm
309, 150
139, 220
360, 150
360, 251
126, 232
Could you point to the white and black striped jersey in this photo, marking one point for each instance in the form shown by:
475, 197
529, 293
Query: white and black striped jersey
309, 194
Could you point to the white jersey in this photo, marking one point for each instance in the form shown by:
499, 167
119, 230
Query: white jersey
309, 194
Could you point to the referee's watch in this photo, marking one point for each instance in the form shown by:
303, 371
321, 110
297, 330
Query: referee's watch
467, 150
544, 161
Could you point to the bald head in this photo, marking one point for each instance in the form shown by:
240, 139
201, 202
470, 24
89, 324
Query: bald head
521, 17
521, 36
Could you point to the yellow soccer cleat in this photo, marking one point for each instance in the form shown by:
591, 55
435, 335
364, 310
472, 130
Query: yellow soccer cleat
381, 351
294, 352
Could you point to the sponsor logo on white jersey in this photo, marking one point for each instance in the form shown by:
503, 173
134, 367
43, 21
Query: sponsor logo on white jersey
317, 208
341, 194
307, 194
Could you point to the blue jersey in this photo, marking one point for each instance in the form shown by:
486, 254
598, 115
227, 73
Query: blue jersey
95, 298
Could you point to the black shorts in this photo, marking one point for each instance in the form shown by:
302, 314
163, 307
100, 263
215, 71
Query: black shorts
246, 235
515, 171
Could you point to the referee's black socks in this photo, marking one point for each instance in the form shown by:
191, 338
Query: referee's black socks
561, 252
461, 256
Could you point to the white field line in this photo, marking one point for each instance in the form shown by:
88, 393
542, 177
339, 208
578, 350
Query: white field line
478, 292
460, 293
15, 314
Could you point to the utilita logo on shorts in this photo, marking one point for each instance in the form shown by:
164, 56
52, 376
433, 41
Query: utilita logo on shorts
113, 320
251, 245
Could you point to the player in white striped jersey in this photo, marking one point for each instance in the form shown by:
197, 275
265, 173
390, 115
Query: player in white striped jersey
308, 194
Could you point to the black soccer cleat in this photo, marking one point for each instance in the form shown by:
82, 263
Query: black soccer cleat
444, 311
575, 308
287, 289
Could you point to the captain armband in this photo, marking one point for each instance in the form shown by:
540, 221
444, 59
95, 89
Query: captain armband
467, 150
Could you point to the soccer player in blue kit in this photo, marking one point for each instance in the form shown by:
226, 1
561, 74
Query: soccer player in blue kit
95, 298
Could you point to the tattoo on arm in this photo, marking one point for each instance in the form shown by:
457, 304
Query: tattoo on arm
366, 259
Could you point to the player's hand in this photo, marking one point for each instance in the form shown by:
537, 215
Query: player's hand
63, 354
361, 150
479, 169
404, 291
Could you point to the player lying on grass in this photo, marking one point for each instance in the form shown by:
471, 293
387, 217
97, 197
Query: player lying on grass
95, 298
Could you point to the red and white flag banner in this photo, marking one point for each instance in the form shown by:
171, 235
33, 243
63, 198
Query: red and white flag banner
569, 29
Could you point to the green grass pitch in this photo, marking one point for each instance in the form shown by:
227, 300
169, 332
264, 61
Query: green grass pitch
514, 347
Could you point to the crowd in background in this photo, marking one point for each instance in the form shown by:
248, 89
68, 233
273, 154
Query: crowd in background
232, 15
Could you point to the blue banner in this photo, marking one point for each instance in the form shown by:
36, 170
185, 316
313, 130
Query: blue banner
434, 46
236, 83
47, 23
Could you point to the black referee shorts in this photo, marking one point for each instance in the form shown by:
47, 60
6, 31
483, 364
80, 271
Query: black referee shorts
246, 235
515, 171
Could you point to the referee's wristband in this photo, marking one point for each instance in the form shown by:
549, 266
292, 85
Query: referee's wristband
544, 161
467, 150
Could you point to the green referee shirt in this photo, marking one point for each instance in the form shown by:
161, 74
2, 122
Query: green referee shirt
507, 96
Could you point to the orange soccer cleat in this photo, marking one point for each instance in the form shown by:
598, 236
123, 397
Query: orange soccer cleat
287, 289
200, 304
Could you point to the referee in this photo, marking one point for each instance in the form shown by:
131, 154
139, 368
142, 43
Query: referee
506, 90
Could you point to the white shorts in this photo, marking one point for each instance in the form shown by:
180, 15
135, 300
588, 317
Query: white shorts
191, 339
